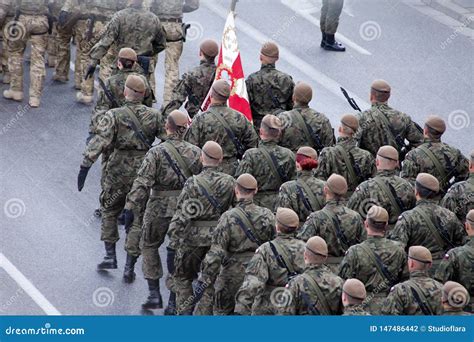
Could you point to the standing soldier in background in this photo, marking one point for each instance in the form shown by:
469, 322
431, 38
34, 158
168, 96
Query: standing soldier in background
382, 125
386, 189
330, 13
7, 14
270, 91
224, 125
305, 194
454, 299
304, 126
435, 157
170, 13
346, 159
274, 264
52, 50
195, 84
270, 164
353, 297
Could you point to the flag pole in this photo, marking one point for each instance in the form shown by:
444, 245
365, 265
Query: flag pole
232, 5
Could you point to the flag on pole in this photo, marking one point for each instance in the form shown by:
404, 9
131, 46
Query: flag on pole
229, 68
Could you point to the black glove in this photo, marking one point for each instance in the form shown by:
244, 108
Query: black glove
198, 290
90, 71
81, 178
128, 218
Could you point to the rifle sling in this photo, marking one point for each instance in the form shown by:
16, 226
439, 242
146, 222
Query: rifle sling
435, 162
319, 294
238, 145
340, 233
108, 94
388, 127
274, 167
179, 159
206, 191
388, 193
137, 127
281, 255
247, 226
314, 202
435, 231
350, 168
379, 265
420, 298
308, 131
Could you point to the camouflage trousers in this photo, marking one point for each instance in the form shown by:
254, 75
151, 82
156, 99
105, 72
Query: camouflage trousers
52, 48
34, 29
4, 56
266, 199
330, 13
63, 57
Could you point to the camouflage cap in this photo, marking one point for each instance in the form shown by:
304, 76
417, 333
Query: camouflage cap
128, 53
272, 121
317, 246
354, 288
287, 218
179, 118
435, 122
303, 93
388, 152
247, 181
213, 150
337, 184
420, 253
455, 294
378, 214
470, 216
428, 181
271, 50
221, 88
209, 47
308, 152
381, 86
350, 121
135, 83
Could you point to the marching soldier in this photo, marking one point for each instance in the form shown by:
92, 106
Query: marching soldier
353, 297
303, 126
420, 295
7, 15
52, 49
273, 265
330, 13
228, 127
346, 159
454, 298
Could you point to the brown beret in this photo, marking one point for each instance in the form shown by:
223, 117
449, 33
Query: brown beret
455, 294
420, 253
337, 184
428, 181
381, 86
209, 47
436, 123
179, 118
317, 246
128, 53
222, 89
377, 214
308, 152
247, 181
388, 152
271, 50
272, 121
355, 289
135, 83
470, 216
303, 93
213, 150
350, 121
287, 218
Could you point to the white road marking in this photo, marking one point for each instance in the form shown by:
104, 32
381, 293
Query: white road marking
28, 287
285, 54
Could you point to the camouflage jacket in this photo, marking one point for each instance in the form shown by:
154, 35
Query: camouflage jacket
6, 10
206, 126
55, 7
372, 133
355, 310
412, 229
460, 198
231, 244
269, 91
371, 193
133, 27
102, 9
453, 163
156, 173
401, 300
294, 196
264, 273
171, 9
303, 298
295, 134
31, 7
331, 160
193, 86
194, 207
350, 224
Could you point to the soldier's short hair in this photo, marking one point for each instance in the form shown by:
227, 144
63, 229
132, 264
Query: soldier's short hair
126, 63
424, 192
380, 96
243, 190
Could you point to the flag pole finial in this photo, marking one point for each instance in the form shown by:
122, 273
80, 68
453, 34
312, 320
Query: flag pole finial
232, 5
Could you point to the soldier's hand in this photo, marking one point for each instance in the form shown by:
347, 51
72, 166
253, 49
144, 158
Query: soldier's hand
128, 218
81, 178
90, 71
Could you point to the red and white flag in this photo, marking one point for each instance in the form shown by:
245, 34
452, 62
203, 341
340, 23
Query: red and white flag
229, 68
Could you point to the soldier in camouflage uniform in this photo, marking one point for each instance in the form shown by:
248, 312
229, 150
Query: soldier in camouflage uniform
378, 262
163, 171
382, 125
460, 197
318, 290
428, 224
386, 189
303, 126
273, 265
346, 159
240, 232
420, 295
270, 91
270, 164
435, 157
457, 264
204, 199
228, 127
52, 49
353, 296
340, 226
330, 13
31, 26
7, 14
195, 84
305, 194
454, 299
129, 131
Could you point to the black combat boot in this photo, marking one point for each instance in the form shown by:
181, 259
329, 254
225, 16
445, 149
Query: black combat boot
332, 45
171, 308
323, 40
154, 300
110, 259
129, 270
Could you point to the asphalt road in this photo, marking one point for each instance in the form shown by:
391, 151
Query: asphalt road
47, 231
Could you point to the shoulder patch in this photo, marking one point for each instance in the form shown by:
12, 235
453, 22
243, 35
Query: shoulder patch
446, 256
392, 289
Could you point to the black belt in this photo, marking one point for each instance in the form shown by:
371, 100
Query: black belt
171, 20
